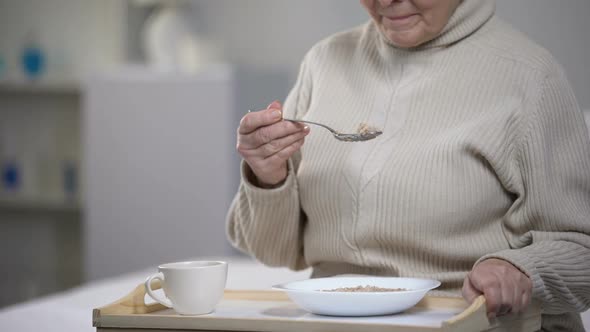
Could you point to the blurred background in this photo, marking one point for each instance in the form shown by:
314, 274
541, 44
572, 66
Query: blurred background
118, 118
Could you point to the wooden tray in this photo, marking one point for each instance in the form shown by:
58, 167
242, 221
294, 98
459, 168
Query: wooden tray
267, 311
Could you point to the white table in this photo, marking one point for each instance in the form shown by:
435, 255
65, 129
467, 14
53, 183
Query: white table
72, 310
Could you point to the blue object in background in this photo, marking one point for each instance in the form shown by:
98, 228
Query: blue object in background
2, 65
33, 61
70, 179
11, 178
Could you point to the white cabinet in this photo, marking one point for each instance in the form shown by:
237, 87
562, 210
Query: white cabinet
159, 167
39, 223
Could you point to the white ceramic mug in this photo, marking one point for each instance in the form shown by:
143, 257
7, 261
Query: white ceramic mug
191, 288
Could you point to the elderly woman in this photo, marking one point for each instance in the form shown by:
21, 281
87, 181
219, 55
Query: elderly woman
481, 178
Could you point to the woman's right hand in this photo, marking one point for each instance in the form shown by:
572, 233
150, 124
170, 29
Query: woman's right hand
266, 142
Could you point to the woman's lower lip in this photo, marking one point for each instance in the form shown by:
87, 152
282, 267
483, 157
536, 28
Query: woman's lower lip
400, 21
400, 18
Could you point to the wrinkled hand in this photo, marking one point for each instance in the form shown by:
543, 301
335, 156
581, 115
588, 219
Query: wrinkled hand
266, 142
505, 288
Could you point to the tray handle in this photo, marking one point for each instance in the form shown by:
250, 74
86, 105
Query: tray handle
132, 303
473, 318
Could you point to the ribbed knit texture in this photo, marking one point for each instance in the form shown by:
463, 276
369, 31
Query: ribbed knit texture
484, 154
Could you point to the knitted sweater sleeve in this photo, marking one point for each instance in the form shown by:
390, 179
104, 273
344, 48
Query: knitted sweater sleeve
548, 226
268, 223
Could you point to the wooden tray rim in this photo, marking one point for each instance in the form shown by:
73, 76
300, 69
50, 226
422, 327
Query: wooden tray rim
472, 318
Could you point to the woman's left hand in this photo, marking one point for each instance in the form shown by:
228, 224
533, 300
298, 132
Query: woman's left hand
505, 288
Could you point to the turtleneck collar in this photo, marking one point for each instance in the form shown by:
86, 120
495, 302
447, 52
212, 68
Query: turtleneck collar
467, 18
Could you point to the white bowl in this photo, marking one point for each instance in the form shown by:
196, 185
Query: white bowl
311, 295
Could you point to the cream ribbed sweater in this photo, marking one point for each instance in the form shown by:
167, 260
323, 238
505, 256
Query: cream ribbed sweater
484, 154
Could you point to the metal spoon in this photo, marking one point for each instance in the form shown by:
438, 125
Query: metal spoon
360, 137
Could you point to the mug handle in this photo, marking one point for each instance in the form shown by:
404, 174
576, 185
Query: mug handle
148, 287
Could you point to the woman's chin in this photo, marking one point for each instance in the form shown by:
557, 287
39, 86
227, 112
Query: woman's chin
404, 39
